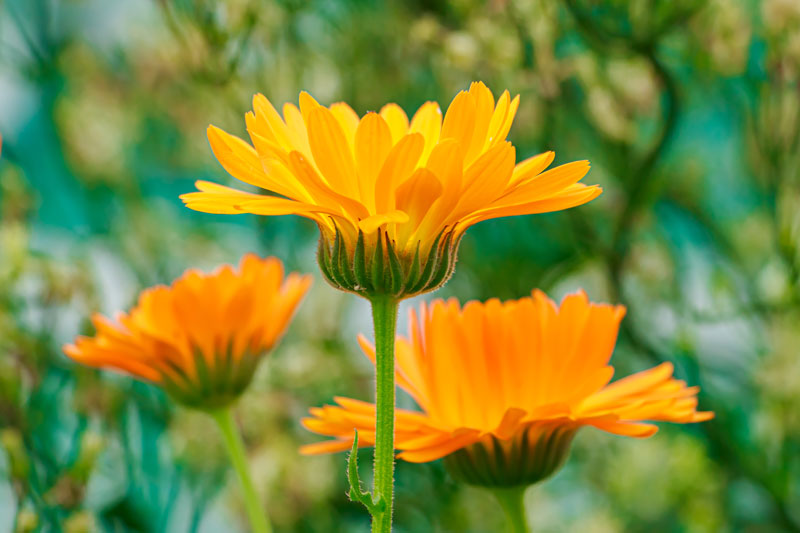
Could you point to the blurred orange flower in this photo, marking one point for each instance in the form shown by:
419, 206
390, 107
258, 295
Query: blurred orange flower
503, 387
202, 337
384, 181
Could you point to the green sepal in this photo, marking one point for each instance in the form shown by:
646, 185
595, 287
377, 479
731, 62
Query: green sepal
395, 268
333, 262
344, 262
375, 268
414, 271
324, 260
360, 263
527, 458
378, 274
427, 272
213, 386
448, 262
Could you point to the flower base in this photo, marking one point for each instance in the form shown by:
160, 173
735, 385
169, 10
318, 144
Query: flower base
213, 385
376, 269
527, 458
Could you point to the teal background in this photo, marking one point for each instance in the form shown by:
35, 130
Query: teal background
688, 110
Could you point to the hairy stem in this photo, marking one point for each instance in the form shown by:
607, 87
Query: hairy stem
384, 316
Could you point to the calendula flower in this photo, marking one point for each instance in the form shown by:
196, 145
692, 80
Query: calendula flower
392, 196
504, 386
202, 337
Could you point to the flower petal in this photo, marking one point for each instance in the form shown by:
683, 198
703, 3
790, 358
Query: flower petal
396, 119
373, 141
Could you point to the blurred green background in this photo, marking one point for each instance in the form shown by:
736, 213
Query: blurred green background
688, 110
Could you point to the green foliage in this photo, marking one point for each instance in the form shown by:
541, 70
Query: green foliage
688, 111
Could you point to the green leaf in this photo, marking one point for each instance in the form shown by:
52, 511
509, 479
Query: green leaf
357, 494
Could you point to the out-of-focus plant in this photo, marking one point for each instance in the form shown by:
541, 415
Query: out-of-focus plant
201, 339
706, 263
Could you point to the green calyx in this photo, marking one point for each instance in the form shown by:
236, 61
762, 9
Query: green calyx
376, 269
528, 457
211, 386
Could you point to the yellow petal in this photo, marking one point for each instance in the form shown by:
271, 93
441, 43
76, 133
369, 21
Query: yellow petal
215, 198
210, 186
399, 164
272, 205
446, 163
485, 179
417, 195
531, 167
546, 184
348, 120
373, 141
321, 191
576, 195
484, 108
332, 152
500, 134
278, 178
427, 121
296, 129
459, 121
266, 112
372, 223
261, 136
396, 119
307, 105
498, 118
237, 157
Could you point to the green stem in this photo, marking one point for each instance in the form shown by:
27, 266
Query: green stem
512, 502
384, 316
233, 442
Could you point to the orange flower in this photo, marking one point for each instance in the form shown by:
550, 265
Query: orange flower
503, 387
391, 197
201, 338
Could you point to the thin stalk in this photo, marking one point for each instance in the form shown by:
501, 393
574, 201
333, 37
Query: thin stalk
236, 451
384, 317
512, 502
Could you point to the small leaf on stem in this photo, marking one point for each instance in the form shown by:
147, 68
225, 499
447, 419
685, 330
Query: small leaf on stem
375, 507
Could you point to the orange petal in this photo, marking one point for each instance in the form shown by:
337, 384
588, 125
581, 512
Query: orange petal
330, 446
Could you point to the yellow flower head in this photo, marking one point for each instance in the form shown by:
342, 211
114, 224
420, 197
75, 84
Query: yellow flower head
504, 386
202, 337
391, 197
